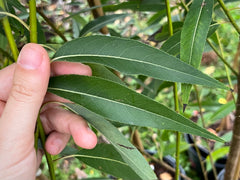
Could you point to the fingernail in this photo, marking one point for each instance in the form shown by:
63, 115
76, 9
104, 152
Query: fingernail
57, 144
30, 57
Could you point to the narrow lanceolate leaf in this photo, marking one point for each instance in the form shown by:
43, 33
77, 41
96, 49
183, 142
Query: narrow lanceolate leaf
132, 57
193, 37
106, 158
172, 44
130, 156
137, 5
100, 22
121, 104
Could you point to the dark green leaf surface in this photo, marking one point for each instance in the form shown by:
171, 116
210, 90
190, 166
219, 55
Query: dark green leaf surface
129, 154
102, 72
137, 5
172, 45
118, 103
132, 57
100, 22
106, 158
193, 37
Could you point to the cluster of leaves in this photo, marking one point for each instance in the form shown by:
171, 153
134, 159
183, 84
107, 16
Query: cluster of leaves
104, 100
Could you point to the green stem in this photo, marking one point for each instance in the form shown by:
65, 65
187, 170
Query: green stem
39, 128
15, 17
33, 21
200, 159
48, 156
178, 135
184, 5
204, 126
51, 25
229, 16
223, 60
8, 32
226, 68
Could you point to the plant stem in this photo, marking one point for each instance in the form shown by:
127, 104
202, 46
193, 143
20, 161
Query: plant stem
200, 159
178, 135
233, 156
8, 32
226, 68
33, 21
221, 3
39, 128
51, 25
204, 126
97, 13
48, 156
184, 5
220, 56
15, 17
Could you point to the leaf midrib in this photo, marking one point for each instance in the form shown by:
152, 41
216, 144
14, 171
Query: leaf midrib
115, 145
105, 99
127, 59
194, 35
109, 20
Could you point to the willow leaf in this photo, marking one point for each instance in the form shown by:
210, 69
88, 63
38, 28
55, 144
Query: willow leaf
132, 57
128, 152
121, 104
193, 37
100, 22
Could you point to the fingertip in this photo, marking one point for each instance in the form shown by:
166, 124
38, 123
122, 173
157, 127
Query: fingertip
56, 142
85, 138
62, 68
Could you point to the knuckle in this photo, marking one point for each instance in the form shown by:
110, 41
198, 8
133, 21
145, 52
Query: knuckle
21, 93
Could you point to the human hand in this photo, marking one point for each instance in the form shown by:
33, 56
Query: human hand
23, 89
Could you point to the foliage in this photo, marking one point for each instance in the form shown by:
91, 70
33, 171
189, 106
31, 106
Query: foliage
135, 69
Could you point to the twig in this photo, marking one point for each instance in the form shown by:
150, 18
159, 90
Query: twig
204, 126
8, 32
221, 3
223, 60
50, 23
178, 135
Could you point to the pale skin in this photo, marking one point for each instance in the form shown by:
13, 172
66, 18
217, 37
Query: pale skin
23, 91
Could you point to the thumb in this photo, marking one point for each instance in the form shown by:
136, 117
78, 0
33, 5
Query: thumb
29, 87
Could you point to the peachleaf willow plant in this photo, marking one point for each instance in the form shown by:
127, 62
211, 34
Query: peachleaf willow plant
103, 99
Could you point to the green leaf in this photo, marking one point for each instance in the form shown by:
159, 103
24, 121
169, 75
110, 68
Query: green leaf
132, 57
127, 151
100, 22
103, 72
193, 37
223, 111
221, 152
172, 45
121, 104
106, 158
137, 5
17, 5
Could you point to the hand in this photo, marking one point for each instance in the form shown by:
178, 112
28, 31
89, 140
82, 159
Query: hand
23, 89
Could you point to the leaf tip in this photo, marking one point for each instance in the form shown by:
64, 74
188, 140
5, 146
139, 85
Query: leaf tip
184, 107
